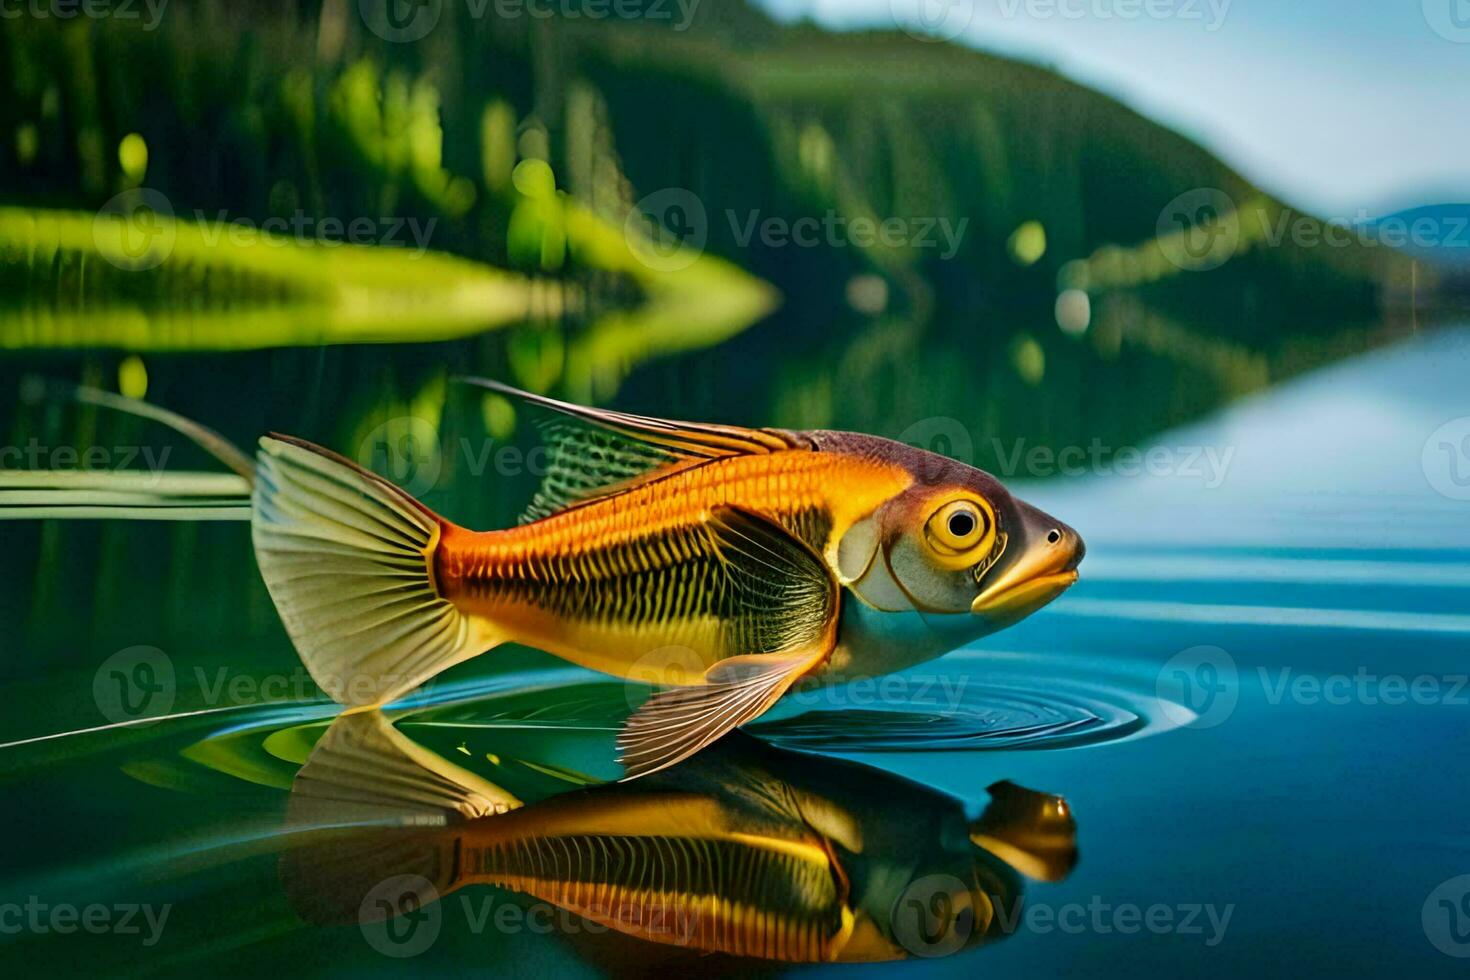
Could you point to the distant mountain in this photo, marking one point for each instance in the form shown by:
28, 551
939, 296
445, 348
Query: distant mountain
1437, 233
1010, 201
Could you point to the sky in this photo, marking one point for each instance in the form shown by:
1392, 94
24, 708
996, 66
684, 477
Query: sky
1345, 108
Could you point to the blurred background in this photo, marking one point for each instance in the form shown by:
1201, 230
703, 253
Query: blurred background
711, 211
980, 227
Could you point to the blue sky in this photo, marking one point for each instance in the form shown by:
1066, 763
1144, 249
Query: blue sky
1337, 106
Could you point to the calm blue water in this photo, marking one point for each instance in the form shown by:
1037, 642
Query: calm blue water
1254, 702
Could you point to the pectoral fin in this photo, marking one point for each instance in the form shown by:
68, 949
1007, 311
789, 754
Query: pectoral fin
787, 620
674, 724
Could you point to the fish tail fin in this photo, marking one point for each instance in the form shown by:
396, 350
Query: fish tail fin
374, 823
348, 559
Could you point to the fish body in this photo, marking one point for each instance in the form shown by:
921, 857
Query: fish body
727, 563
610, 582
747, 850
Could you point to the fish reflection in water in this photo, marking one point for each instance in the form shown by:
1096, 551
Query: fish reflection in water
745, 849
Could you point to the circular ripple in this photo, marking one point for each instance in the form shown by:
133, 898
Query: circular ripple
980, 718
969, 701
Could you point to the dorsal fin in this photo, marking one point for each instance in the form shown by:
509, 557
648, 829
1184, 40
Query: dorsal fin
593, 452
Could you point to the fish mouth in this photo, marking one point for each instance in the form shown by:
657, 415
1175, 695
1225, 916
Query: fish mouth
1024, 597
1046, 569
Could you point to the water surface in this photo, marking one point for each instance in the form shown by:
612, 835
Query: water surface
1254, 704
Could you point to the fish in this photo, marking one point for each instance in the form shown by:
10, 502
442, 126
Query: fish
719, 564
722, 564
746, 849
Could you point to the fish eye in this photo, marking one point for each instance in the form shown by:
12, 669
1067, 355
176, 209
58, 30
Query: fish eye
959, 527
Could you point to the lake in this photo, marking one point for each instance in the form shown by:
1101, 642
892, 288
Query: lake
1251, 704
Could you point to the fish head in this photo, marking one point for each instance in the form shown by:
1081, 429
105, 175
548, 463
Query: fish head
958, 546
